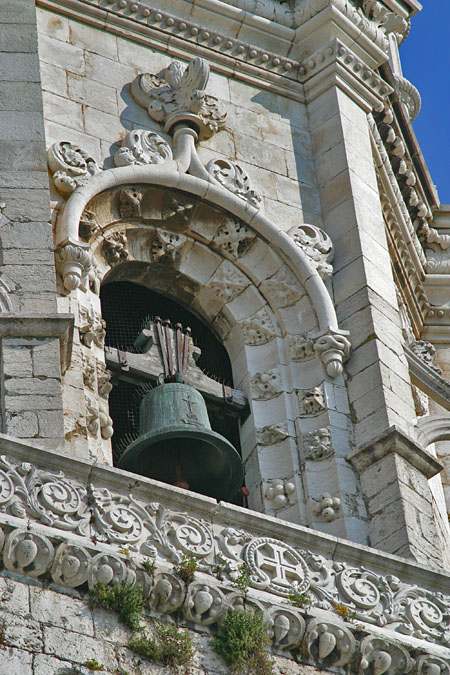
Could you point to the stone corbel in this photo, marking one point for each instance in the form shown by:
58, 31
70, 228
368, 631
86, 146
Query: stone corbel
333, 348
73, 263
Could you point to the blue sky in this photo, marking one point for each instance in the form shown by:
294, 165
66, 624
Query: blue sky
425, 58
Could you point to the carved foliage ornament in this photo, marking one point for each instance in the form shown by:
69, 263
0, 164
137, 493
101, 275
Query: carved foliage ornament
73, 263
142, 147
317, 245
233, 177
70, 166
179, 96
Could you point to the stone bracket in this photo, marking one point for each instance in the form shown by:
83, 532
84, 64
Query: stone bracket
428, 380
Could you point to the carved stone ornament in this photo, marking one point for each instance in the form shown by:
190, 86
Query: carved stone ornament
71, 565
168, 593
92, 328
329, 642
386, 19
227, 282
272, 434
167, 247
106, 423
205, 604
380, 656
179, 96
333, 348
73, 263
327, 507
432, 665
142, 147
27, 553
91, 418
426, 353
279, 492
301, 347
104, 385
179, 207
233, 237
266, 385
129, 203
70, 166
409, 96
317, 444
276, 566
115, 248
311, 401
258, 329
234, 178
317, 245
287, 628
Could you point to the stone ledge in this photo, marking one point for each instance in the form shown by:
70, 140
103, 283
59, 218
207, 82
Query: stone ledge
394, 440
14, 325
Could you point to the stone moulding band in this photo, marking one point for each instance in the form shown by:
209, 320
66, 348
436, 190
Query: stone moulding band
83, 526
169, 175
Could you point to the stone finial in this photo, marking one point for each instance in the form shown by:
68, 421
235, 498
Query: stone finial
179, 97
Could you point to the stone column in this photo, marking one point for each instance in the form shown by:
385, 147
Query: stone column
378, 382
30, 328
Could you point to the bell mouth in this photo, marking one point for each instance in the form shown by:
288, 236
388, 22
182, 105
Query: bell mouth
200, 458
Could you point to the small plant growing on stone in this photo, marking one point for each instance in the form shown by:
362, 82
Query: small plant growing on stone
170, 646
127, 601
299, 599
186, 569
242, 581
93, 664
149, 565
345, 612
242, 642
125, 551
219, 567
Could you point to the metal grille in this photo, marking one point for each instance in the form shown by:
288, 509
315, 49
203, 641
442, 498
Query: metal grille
125, 307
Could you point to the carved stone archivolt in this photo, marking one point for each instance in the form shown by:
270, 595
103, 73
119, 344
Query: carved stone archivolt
227, 282
104, 522
180, 95
233, 238
266, 385
167, 246
301, 347
311, 401
115, 248
258, 329
70, 165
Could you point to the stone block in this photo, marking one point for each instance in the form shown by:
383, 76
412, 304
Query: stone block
94, 94
18, 179
14, 596
56, 609
22, 156
32, 386
140, 57
19, 403
16, 361
53, 25
19, 37
46, 358
66, 56
99, 68
17, 11
72, 646
20, 634
21, 424
16, 67
51, 424
15, 661
22, 96
56, 132
104, 126
62, 111
53, 79
265, 155
21, 126
93, 40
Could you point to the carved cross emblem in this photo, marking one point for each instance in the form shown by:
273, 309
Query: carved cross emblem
277, 566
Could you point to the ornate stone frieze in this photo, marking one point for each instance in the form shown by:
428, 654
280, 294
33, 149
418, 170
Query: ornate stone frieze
73, 262
115, 248
317, 245
381, 656
234, 178
311, 401
70, 166
317, 444
386, 19
333, 348
233, 237
266, 385
105, 521
180, 97
142, 147
279, 492
258, 329
301, 347
327, 507
167, 246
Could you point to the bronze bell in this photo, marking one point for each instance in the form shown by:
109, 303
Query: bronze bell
176, 444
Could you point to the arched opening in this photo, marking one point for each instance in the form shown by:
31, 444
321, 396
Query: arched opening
126, 306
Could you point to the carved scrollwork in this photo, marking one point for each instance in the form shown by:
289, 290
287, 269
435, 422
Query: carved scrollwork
70, 166
180, 97
317, 245
167, 594
142, 147
277, 567
233, 177
27, 552
71, 565
329, 643
333, 348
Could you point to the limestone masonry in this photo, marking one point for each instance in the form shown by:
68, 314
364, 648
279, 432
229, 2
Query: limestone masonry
247, 169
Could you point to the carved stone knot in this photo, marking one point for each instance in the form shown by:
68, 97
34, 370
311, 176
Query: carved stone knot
333, 348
